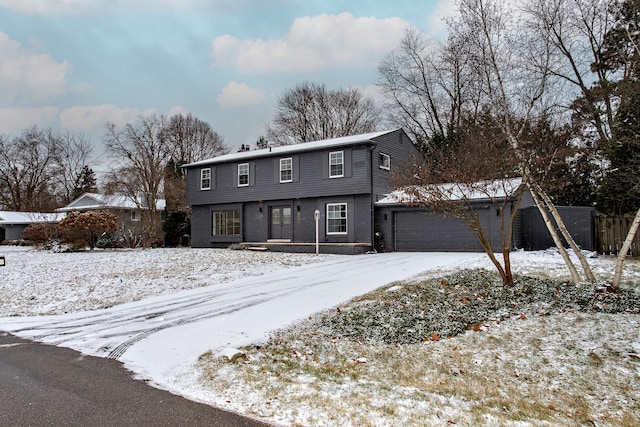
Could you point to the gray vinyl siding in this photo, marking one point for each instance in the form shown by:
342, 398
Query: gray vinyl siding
86, 201
256, 221
401, 150
310, 178
13, 231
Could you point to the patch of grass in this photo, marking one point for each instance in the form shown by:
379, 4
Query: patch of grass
543, 353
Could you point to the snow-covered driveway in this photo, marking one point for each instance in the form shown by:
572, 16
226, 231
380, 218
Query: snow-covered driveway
160, 338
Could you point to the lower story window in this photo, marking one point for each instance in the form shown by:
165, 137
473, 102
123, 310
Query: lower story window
226, 223
337, 218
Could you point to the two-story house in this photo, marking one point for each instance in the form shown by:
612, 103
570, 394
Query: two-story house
268, 197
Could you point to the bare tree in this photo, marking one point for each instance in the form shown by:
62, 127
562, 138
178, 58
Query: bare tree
193, 139
72, 161
514, 69
27, 170
311, 112
429, 88
190, 139
596, 55
139, 152
468, 172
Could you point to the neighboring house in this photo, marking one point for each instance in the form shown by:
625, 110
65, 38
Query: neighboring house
12, 224
268, 197
124, 207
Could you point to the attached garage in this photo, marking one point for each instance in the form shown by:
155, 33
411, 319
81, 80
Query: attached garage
418, 230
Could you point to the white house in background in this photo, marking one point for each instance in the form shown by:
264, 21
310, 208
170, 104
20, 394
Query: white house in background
12, 224
113, 202
124, 207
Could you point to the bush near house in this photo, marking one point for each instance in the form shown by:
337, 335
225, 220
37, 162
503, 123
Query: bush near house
83, 229
41, 233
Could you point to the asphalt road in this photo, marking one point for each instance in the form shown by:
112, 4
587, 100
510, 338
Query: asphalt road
43, 385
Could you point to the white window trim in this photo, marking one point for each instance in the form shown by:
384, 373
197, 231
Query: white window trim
388, 158
240, 165
202, 178
342, 155
291, 169
346, 222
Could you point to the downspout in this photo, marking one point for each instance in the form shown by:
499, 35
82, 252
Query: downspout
372, 214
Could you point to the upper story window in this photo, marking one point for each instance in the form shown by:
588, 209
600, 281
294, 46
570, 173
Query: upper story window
243, 174
384, 161
205, 179
336, 164
135, 216
286, 170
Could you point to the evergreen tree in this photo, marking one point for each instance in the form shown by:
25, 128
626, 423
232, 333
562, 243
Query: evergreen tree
85, 183
619, 192
177, 221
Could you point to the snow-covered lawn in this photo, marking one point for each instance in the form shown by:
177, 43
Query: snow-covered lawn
565, 369
42, 282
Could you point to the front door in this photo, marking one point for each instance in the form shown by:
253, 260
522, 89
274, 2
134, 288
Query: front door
281, 227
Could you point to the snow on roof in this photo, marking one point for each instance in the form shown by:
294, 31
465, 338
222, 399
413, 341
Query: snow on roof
93, 201
294, 148
481, 190
10, 217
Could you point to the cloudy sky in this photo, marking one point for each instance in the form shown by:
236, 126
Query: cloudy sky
77, 64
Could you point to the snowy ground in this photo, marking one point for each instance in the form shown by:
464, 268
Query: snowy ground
41, 282
36, 283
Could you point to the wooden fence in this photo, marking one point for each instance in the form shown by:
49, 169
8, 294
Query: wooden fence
611, 232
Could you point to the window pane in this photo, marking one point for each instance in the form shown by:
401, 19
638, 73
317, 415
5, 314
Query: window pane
385, 161
286, 169
337, 218
225, 223
275, 216
243, 174
286, 215
336, 164
205, 179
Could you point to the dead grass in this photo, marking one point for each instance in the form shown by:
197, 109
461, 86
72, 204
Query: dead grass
570, 368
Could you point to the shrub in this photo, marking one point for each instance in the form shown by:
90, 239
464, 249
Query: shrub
82, 229
41, 233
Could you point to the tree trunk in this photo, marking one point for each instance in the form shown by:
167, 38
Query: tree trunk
554, 233
567, 236
625, 249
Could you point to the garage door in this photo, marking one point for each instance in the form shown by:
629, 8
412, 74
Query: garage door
423, 231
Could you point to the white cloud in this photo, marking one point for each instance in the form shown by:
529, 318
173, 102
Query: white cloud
373, 92
313, 43
15, 120
436, 22
27, 76
177, 109
93, 7
236, 94
93, 117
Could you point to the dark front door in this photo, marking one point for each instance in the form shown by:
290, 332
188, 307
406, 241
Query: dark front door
281, 227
